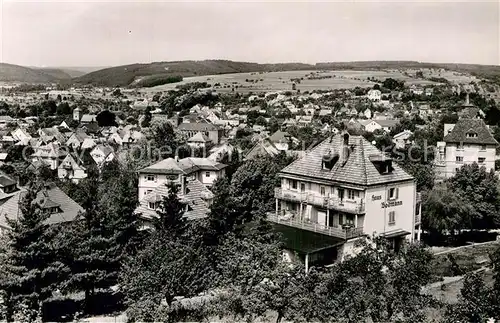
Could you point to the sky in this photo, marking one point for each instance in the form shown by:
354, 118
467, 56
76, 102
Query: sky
98, 33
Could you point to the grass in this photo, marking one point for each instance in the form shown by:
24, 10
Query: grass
467, 259
282, 81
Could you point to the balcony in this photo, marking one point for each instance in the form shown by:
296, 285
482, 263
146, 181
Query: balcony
293, 220
327, 201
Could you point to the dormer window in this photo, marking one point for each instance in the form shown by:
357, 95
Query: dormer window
471, 134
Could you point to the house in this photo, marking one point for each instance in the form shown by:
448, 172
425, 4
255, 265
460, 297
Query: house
370, 125
21, 134
388, 124
217, 153
50, 154
51, 134
374, 95
202, 169
51, 199
6, 119
303, 121
8, 187
71, 168
261, 149
199, 140
341, 190
191, 192
102, 154
402, 139
280, 140
425, 110
325, 112
416, 90
429, 91
466, 142
88, 143
88, 118
76, 140
213, 132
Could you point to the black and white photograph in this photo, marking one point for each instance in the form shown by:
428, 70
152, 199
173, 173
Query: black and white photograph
266, 161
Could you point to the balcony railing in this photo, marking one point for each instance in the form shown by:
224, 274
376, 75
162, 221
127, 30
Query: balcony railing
327, 201
334, 231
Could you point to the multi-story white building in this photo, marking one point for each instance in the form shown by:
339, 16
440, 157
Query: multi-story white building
466, 142
202, 169
342, 189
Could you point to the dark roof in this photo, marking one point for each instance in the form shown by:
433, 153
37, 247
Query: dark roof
357, 170
6, 181
51, 196
185, 166
464, 126
304, 241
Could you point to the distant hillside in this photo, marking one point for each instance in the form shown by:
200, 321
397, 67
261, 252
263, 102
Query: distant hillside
491, 72
16, 73
128, 74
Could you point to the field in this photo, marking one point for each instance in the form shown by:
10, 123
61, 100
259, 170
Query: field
282, 81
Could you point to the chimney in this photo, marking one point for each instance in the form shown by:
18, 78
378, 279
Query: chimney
344, 148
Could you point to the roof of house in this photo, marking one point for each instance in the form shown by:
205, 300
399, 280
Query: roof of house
403, 134
199, 137
358, 168
106, 150
279, 136
72, 163
88, 118
387, 122
183, 166
195, 198
51, 196
262, 148
464, 126
197, 126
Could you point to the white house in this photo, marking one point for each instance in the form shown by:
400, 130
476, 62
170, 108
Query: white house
466, 142
202, 169
198, 140
374, 95
21, 135
402, 139
341, 190
71, 169
102, 154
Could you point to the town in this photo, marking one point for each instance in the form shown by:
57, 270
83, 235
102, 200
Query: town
219, 190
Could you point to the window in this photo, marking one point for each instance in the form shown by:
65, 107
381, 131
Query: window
352, 194
393, 193
150, 178
392, 218
302, 187
471, 135
460, 146
459, 159
457, 169
147, 192
341, 220
483, 147
294, 184
322, 190
341, 193
207, 174
309, 186
151, 205
481, 160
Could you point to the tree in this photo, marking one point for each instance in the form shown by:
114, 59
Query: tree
162, 134
106, 118
146, 122
474, 302
33, 270
478, 188
444, 211
171, 221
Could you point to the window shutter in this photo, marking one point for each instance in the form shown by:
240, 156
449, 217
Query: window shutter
145, 177
288, 183
397, 192
388, 194
156, 178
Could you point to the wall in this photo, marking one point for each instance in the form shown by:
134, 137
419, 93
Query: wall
470, 154
377, 217
145, 185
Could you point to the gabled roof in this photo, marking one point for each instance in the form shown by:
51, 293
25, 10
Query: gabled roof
183, 166
199, 137
195, 198
52, 195
279, 136
465, 126
357, 170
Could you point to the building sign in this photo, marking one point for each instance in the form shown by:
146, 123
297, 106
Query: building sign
391, 204
376, 197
